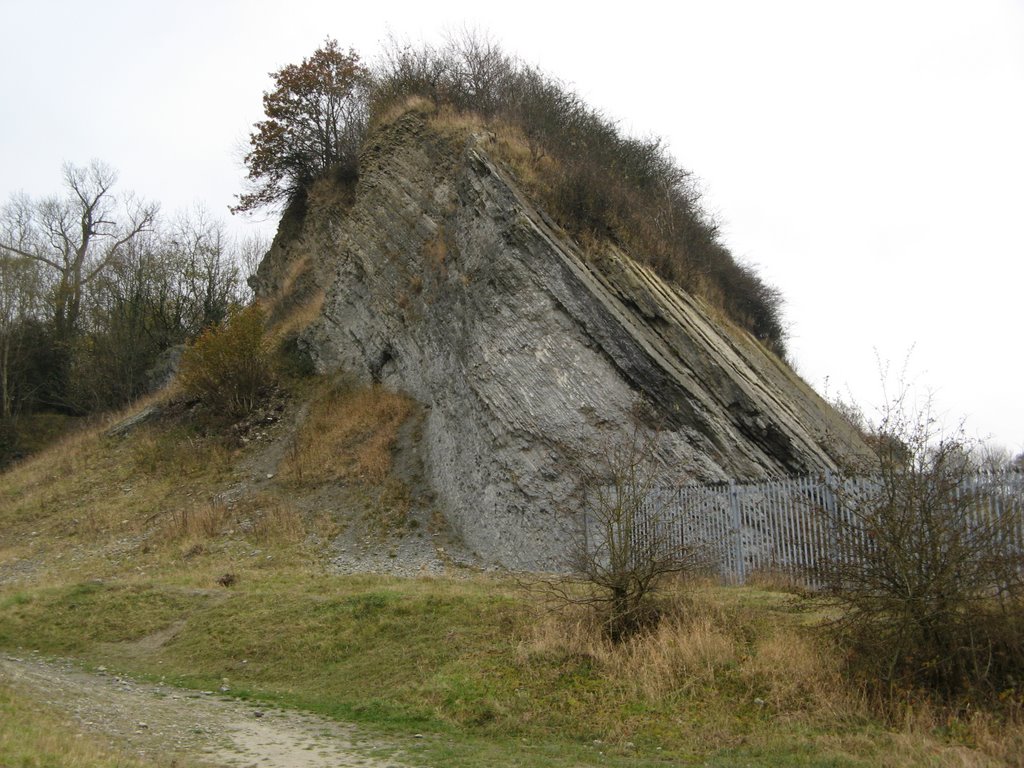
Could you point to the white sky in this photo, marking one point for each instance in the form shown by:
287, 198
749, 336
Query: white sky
868, 157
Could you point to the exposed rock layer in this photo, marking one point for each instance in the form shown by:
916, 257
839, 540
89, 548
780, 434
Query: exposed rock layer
444, 281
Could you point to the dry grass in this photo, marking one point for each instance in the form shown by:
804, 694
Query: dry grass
69, 485
196, 523
160, 452
277, 304
507, 143
261, 519
776, 581
457, 124
296, 318
435, 252
279, 523
349, 435
796, 673
994, 738
720, 654
403, 107
62, 457
680, 655
701, 648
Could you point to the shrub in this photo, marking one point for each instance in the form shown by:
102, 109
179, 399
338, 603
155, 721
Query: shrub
229, 367
597, 181
928, 572
623, 557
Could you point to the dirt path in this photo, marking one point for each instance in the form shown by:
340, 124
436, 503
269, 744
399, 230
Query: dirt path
158, 721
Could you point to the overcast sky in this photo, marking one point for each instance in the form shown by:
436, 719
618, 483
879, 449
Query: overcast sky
868, 157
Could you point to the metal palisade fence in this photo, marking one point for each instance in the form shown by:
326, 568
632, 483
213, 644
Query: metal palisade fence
790, 526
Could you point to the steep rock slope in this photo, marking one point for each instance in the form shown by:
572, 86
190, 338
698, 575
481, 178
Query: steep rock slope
442, 280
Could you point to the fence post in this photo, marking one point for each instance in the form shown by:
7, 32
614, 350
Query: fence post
737, 526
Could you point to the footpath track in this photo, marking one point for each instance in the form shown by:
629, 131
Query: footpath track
176, 726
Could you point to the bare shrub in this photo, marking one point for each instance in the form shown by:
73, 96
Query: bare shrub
625, 553
927, 574
596, 180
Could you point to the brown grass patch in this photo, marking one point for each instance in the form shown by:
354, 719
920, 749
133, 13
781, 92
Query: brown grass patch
196, 522
686, 651
297, 269
349, 434
435, 252
296, 319
791, 673
701, 648
401, 108
776, 581
457, 124
259, 519
506, 142
279, 523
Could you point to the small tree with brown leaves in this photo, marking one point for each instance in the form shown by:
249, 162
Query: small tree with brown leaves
315, 121
229, 368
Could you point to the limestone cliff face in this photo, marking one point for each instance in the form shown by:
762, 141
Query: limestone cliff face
442, 280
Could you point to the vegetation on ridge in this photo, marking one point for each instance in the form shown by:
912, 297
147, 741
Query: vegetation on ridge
106, 554
598, 182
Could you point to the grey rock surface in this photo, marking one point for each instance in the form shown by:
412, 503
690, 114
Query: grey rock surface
530, 355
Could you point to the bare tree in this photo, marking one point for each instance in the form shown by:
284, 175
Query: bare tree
75, 236
625, 551
20, 298
209, 267
926, 569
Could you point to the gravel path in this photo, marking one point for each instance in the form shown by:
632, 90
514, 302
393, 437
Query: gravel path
198, 728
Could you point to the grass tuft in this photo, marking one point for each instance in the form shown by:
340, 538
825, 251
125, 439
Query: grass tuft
349, 435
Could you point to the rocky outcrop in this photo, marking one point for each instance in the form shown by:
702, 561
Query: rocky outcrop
443, 280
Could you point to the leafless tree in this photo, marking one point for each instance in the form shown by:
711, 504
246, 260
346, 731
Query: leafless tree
927, 571
625, 551
20, 299
76, 236
211, 278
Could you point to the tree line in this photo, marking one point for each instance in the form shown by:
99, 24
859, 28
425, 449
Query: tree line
95, 286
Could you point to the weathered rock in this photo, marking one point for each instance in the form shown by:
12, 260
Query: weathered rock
137, 419
442, 280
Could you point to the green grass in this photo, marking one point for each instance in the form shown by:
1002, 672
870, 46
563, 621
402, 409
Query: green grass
461, 662
102, 567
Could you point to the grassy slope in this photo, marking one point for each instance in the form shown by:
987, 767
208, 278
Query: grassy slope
109, 543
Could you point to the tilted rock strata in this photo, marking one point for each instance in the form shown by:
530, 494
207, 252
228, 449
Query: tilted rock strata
445, 282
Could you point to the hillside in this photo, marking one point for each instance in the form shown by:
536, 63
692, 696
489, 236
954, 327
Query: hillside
438, 277
338, 536
147, 576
